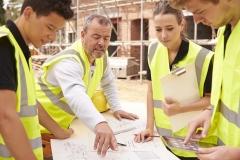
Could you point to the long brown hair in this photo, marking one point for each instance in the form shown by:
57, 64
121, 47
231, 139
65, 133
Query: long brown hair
164, 8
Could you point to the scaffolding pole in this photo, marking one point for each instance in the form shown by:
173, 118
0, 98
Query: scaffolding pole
141, 47
77, 19
195, 32
99, 6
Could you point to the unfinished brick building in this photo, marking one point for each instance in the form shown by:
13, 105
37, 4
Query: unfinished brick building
126, 16
128, 38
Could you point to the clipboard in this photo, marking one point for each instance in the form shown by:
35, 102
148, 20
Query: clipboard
181, 84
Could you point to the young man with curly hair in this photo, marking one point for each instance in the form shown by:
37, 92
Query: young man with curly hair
19, 125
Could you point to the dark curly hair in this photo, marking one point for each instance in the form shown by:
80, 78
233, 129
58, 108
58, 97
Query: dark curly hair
45, 7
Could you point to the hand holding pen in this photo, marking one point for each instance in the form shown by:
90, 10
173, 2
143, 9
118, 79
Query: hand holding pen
144, 136
153, 136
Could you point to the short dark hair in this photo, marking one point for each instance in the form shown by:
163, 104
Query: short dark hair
164, 8
45, 7
101, 20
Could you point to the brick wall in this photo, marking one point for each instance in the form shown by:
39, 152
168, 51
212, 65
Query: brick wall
129, 28
131, 20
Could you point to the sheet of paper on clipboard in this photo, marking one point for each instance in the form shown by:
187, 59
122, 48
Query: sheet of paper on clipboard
181, 84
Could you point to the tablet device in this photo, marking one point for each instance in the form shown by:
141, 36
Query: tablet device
191, 146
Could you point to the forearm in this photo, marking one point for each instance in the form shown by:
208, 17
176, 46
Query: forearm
236, 153
15, 138
201, 104
150, 115
150, 108
12, 129
47, 122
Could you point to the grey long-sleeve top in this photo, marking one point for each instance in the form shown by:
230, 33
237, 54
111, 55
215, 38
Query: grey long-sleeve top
68, 75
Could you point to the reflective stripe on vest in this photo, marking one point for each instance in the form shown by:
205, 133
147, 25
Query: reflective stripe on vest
220, 142
55, 99
65, 52
104, 63
230, 115
199, 63
26, 105
4, 152
152, 50
158, 61
163, 131
1, 32
167, 132
52, 97
225, 97
26, 111
72, 51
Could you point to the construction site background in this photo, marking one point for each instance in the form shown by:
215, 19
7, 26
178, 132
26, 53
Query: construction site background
133, 30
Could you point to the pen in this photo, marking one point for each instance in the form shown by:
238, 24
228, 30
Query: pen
147, 136
120, 144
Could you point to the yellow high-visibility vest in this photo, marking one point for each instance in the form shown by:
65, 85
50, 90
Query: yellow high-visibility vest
159, 66
26, 101
225, 100
52, 98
